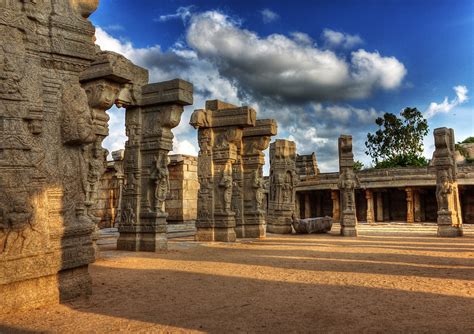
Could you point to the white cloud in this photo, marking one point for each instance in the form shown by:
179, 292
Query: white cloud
446, 106
269, 15
335, 39
288, 69
182, 13
302, 38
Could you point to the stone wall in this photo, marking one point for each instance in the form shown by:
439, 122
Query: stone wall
181, 204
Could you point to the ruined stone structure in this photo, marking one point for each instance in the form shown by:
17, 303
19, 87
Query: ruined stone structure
148, 123
255, 141
447, 194
283, 179
307, 165
55, 88
181, 204
347, 184
231, 194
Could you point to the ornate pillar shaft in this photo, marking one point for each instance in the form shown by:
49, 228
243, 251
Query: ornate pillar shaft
220, 168
142, 225
307, 205
447, 193
283, 179
255, 141
417, 205
370, 206
347, 183
410, 206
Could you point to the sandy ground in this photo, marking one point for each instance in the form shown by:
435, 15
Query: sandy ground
391, 279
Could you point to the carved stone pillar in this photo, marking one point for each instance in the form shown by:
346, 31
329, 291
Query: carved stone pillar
336, 211
255, 141
283, 179
142, 225
417, 205
410, 206
120, 176
370, 206
347, 184
220, 170
447, 193
379, 196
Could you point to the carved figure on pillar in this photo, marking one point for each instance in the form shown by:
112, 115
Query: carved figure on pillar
220, 127
347, 184
447, 192
283, 180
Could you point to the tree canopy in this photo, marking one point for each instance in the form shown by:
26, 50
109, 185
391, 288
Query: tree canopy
399, 140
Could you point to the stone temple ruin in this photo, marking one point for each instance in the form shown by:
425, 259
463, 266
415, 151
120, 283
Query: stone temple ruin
56, 86
57, 190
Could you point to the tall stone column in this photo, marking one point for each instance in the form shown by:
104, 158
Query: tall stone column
347, 184
379, 196
447, 193
255, 141
220, 171
283, 179
410, 206
142, 225
370, 206
336, 211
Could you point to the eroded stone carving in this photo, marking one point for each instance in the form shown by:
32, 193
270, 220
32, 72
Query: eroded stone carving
220, 168
283, 179
447, 193
347, 183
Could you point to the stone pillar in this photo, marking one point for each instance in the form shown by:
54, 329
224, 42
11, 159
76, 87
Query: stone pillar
447, 193
119, 174
336, 211
283, 180
255, 141
370, 206
307, 205
220, 170
410, 206
417, 205
379, 196
347, 184
148, 125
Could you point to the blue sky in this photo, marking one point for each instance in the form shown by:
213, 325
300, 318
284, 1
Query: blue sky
320, 68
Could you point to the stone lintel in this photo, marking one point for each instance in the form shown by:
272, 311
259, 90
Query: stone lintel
175, 91
263, 127
219, 105
116, 68
240, 117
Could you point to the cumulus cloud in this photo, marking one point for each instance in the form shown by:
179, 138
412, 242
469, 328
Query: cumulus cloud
283, 77
287, 69
447, 105
182, 13
269, 15
336, 39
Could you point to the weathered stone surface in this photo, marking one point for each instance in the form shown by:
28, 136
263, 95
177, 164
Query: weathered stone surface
347, 183
283, 179
148, 123
307, 165
447, 193
312, 225
220, 169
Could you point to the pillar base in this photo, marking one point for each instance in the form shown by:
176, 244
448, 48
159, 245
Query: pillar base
449, 231
149, 236
349, 231
251, 231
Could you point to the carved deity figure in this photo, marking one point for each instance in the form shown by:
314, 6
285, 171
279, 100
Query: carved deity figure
96, 170
443, 190
258, 186
226, 183
347, 184
161, 184
128, 216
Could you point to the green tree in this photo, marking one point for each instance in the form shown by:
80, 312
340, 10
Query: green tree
358, 165
399, 140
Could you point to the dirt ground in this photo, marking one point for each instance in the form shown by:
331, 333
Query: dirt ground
390, 279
